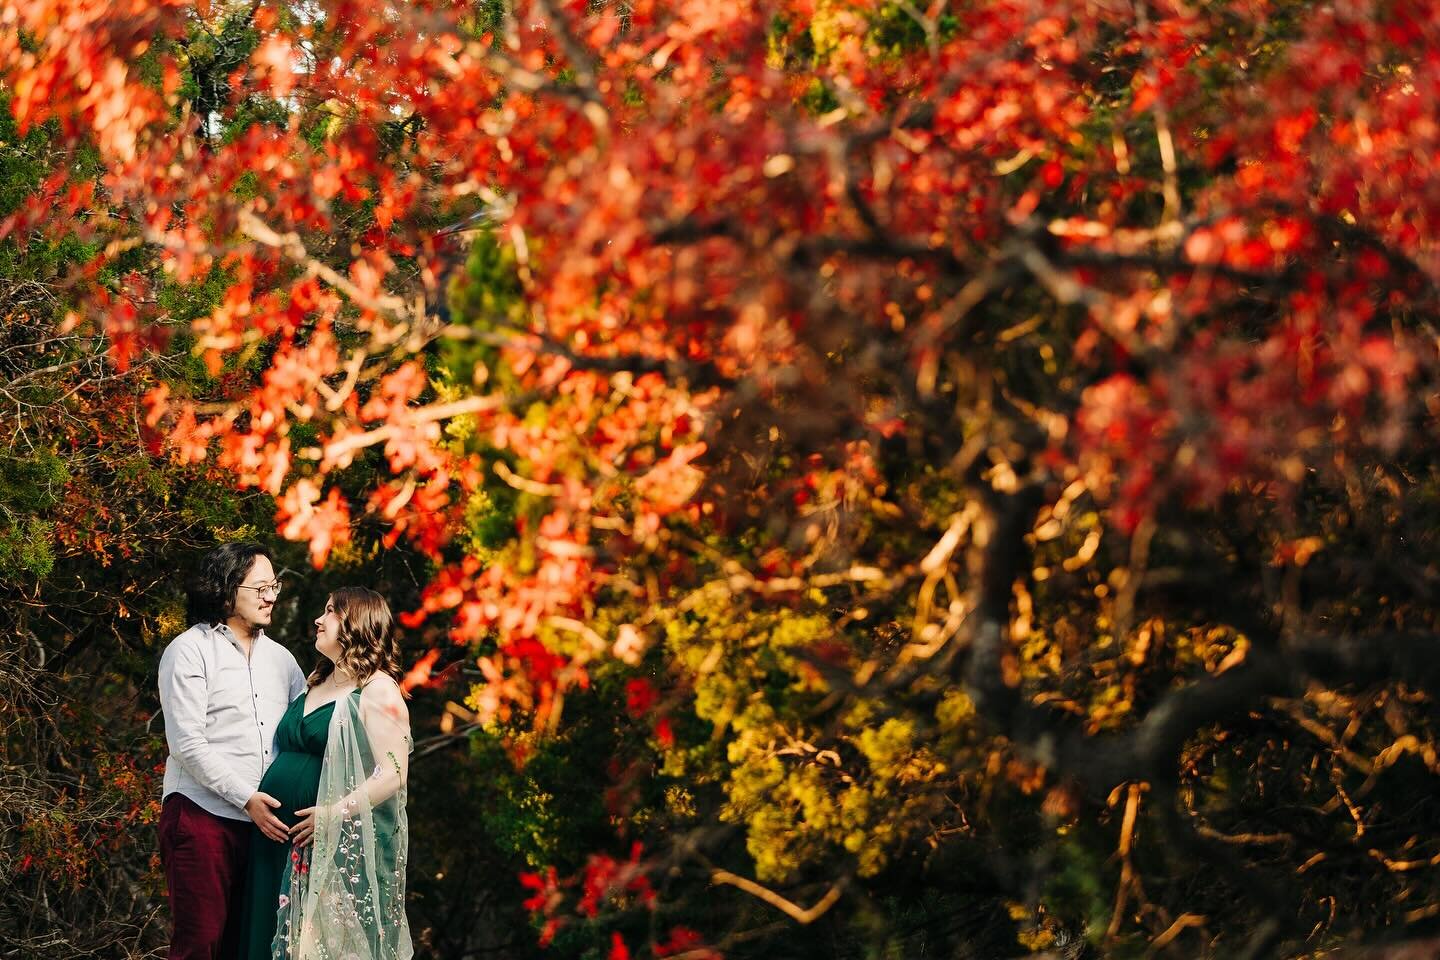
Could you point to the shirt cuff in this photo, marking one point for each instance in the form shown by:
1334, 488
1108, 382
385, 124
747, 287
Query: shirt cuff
239, 794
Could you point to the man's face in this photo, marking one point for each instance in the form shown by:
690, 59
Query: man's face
255, 600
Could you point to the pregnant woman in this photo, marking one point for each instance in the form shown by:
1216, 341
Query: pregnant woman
336, 886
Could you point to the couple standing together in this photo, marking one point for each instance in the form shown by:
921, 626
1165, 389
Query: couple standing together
283, 829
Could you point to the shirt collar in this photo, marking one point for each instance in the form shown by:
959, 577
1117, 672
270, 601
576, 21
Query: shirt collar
224, 630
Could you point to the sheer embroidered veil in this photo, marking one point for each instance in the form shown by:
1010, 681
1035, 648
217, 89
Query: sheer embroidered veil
344, 897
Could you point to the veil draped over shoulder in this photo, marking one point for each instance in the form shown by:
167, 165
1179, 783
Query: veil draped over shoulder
344, 895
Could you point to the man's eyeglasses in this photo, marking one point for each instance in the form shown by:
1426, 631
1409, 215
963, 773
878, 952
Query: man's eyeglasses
265, 589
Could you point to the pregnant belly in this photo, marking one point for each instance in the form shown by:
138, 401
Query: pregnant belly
294, 780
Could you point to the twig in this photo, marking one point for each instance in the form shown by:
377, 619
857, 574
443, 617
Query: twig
347, 445
801, 915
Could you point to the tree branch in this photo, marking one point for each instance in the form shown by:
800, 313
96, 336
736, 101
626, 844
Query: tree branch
801, 915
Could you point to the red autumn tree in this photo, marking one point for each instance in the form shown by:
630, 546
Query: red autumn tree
1042, 389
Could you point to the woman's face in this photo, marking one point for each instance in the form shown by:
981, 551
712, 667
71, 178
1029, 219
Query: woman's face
327, 632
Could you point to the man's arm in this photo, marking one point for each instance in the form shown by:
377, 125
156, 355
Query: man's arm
183, 690
297, 679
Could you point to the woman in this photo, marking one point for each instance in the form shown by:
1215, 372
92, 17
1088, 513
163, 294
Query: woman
337, 889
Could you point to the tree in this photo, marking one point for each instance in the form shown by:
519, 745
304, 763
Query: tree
982, 434
93, 527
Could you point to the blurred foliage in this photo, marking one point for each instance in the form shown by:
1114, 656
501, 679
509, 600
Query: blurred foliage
748, 741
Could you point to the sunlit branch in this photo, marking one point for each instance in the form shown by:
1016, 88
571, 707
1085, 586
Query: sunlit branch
801, 915
347, 445
293, 247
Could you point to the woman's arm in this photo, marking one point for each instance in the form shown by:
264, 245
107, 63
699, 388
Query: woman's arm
387, 726
386, 719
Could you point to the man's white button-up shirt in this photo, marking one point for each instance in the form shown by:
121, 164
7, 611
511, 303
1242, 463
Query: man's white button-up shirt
221, 711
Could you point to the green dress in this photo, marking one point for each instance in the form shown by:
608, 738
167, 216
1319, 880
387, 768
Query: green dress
294, 780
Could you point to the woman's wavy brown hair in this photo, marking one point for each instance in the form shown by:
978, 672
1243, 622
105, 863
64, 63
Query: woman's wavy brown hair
368, 644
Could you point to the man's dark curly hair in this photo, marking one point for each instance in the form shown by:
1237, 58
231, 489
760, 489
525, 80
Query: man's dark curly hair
210, 597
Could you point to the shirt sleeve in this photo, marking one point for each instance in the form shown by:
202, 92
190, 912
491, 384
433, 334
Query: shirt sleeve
183, 690
297, 680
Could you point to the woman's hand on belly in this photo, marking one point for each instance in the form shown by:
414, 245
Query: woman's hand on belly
304, 830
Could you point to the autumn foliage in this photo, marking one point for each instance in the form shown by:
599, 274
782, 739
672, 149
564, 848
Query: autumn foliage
903, 442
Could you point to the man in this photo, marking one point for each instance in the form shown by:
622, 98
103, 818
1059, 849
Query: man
224, 686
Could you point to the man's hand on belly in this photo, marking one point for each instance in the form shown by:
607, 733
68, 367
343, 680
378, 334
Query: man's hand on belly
258, 808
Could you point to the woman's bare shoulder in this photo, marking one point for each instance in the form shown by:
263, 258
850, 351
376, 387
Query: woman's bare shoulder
382, 693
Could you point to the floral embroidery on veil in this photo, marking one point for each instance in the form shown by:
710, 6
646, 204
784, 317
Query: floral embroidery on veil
343, 897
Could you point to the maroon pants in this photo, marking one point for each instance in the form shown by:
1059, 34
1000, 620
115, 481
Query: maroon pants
205, 859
